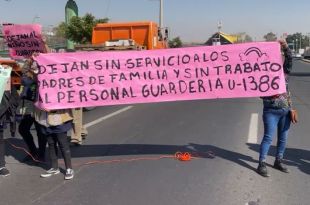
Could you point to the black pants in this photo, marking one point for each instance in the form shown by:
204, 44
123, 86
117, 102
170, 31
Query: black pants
62, 141
2, 160
24, 130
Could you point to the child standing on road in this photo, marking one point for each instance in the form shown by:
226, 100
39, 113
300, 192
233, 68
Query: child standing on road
54, 125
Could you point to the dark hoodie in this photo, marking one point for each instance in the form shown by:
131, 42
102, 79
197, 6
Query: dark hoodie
8, 105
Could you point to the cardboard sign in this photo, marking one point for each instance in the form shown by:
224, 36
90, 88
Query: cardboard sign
5, 84
23, 40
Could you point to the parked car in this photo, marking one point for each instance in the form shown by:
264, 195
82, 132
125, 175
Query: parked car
297, 55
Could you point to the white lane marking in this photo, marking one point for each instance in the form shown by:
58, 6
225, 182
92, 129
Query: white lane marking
253, 129
107, 117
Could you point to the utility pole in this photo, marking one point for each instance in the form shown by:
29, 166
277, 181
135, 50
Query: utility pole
162, 31
219, 26
161, 14
161, 18
35, 18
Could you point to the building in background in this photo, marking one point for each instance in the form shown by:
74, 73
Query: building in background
220, 38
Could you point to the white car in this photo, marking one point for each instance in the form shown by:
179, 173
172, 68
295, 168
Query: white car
297, 55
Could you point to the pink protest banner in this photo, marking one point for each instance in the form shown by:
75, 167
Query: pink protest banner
84, 79
23, 40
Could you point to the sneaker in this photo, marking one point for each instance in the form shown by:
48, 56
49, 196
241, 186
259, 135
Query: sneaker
69, 174
280, 166
262, 169
50, 172
4, 172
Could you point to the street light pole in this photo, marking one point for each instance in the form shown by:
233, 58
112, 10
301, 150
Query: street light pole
161, 14
308, 34
34, 18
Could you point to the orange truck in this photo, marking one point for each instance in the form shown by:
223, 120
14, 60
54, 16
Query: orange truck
145, 35
119, 37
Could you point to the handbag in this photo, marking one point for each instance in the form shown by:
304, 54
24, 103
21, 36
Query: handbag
58, 117
294, 116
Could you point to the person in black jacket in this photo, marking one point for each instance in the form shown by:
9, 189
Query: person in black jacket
26, 111
28, 96
8, 107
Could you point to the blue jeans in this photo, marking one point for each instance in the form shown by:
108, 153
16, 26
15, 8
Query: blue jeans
274, 119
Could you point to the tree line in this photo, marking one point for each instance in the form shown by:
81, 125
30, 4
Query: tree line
79, 30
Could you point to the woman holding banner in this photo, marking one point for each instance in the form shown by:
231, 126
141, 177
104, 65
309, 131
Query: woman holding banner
276, 116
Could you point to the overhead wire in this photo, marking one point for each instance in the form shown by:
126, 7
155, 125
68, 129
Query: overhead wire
108, 8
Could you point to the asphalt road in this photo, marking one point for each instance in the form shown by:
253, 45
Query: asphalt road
231, 129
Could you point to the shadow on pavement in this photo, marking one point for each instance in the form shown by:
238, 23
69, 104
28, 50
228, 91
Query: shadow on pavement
19, 154
293, 157
85, 151
202, 151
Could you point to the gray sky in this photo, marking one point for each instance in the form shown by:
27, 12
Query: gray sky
192, 20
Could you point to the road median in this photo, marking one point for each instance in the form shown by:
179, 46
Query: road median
306, 60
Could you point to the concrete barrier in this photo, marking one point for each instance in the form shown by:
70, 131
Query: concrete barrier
306, 60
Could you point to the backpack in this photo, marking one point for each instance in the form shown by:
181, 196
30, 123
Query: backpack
29, 89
